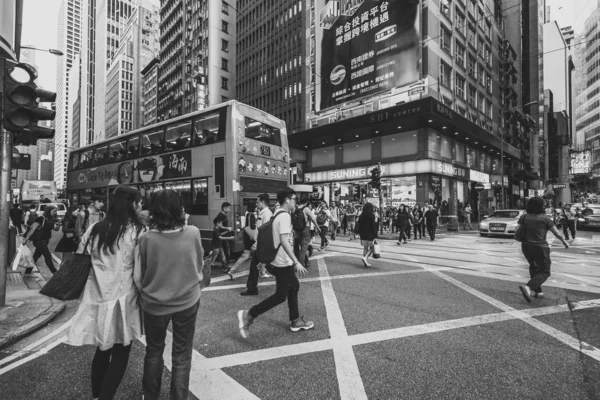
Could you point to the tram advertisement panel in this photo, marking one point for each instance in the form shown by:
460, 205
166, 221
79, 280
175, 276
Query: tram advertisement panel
364, 47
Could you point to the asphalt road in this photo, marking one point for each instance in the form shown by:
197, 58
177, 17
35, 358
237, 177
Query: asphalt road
429, 320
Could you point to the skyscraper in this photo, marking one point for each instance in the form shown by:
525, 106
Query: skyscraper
270, 58
69, 42
197, 55
124, 86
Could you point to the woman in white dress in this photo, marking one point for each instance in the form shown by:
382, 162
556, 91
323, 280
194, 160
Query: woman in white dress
109, 315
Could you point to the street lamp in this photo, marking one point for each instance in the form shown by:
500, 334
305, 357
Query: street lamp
57, 53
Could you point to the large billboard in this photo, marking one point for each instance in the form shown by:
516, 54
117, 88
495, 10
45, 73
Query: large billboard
581, 162
364, 47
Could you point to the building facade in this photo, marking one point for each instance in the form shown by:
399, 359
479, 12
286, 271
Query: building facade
430, 98
69, 42
138, 46
197, 55
272, 75
150, 95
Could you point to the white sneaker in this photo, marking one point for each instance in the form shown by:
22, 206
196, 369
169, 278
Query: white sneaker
265, 274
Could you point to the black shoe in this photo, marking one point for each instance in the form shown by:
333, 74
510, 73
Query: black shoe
249, 293
28, 270
526, 291
310, 251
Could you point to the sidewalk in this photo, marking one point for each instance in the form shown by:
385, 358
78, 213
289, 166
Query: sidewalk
26, 309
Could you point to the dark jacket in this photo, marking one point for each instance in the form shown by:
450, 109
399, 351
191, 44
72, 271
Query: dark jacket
403, 218
367, 227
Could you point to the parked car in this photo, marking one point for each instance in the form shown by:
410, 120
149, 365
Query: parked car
61, 209
500, 222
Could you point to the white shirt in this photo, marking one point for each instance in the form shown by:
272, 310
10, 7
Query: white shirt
282, 225
263, 216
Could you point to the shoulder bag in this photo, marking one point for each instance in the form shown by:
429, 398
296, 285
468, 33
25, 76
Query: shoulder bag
69, 281
521, 231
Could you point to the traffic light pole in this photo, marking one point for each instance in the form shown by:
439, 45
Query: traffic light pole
5, 198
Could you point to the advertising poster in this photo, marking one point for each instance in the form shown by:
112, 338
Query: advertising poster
581, 162
147, 169
364, 47
262, 159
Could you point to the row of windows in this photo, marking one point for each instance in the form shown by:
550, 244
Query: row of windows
202, 130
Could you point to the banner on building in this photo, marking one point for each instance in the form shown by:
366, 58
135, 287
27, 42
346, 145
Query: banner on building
581, 162
364, 47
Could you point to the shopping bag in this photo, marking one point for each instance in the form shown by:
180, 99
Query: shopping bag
376, 250
26, 258
17, 259
69, 281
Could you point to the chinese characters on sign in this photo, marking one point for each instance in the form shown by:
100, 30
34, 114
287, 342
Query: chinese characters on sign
363, 48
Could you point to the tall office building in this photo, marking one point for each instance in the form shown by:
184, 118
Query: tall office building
150, 84
271, 57
588, 112
103, 23
197, 55
74, 121
138, 46
69, 42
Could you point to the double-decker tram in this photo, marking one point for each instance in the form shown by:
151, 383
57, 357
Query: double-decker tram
227, 153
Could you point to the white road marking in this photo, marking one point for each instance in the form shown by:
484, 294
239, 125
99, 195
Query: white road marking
570, 341
33, 356
56, 259
346, 368
206, 384
34, 345
233, 360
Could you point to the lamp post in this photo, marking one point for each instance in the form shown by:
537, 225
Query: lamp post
51, 51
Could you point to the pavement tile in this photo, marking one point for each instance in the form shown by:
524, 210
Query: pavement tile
507, 360
379, 303
308, 376
217, 331
508, 292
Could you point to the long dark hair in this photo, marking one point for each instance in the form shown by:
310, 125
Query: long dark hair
121, 214
48, 212
368, 209
69, 219
165, 211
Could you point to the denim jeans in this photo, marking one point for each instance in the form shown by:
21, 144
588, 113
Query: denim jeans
184, 326
301, 245
539, 265
246, 255
324, 230
287, 287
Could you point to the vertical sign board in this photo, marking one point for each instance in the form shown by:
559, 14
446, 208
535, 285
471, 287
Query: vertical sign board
364, 47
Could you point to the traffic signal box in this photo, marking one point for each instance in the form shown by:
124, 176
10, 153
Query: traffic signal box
376, 178
21, 102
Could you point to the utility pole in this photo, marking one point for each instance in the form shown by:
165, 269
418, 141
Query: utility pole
5, 196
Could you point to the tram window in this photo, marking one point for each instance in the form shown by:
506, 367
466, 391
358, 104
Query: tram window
86, 158
183, 189
178, 135
152, 142
133, 147
200, 194
206, 129
262, 132
100, 155
73, 161
117, 151
149, 188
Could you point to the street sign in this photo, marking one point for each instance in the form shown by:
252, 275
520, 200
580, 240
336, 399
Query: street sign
559, 186
483, 186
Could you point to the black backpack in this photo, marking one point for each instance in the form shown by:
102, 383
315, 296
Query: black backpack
265, 244
298, 219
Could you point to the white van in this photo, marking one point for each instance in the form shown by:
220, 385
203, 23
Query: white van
60, 207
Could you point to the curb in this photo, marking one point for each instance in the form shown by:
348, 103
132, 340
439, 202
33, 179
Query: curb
38, 322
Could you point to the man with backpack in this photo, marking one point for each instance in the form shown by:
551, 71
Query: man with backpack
301, 220
90, 216
274, 247
264, 215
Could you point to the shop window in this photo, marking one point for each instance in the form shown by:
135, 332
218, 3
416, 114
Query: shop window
400, 144
446, 148
460, 152
357, 151
323, 157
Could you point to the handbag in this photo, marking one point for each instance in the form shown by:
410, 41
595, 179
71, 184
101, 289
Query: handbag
521, 231
376, 250
68, 282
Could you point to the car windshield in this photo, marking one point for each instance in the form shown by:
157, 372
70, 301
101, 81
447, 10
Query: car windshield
504, 214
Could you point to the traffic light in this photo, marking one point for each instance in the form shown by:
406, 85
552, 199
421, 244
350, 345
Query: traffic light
376, 178
22, 98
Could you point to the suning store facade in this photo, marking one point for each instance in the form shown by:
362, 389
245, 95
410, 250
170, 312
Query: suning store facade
429, 155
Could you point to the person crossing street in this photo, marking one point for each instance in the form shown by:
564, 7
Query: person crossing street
431, 220
264, 215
